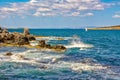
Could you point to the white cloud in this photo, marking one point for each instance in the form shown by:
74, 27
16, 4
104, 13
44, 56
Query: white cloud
43, 9
75, 14
53, 7
116, 16
87, 14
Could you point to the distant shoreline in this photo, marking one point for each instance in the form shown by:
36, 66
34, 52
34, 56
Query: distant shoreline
105, 28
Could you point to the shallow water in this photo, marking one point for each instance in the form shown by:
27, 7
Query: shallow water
95, 55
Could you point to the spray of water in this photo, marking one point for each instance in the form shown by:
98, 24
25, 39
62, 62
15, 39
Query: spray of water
77, 43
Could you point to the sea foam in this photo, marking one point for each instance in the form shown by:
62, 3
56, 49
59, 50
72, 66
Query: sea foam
77, 43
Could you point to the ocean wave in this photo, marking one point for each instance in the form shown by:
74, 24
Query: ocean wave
77, 43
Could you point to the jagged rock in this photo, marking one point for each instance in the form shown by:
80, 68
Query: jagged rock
30, 37
42, 43
26, 31
17, 38
8, 54
21, 39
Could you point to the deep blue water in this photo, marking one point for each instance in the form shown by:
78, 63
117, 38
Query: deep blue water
106, 51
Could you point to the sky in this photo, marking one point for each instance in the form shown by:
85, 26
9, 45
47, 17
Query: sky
73, 14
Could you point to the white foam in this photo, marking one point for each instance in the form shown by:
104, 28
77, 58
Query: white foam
86, 67
77, 43
33, 43
53, 38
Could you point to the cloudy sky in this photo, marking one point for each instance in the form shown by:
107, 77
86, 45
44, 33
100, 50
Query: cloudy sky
59, 13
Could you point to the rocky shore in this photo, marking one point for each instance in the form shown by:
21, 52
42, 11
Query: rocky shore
25, 39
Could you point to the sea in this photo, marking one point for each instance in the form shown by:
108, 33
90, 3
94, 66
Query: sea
90, 55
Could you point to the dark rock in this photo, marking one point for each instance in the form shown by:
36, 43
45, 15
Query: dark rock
42, 43
21, 40
60, 47
30, 37
48, 46
1, 30
8, 54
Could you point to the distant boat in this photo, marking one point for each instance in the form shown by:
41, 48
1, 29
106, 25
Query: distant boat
86, 29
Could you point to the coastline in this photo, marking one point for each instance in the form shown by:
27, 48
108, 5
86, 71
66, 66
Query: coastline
105, 28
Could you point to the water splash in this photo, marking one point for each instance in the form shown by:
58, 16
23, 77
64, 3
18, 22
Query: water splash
77, 43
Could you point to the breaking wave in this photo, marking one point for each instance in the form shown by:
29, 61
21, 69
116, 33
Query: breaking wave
77, 43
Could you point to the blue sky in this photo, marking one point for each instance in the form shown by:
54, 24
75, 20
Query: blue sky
59, 13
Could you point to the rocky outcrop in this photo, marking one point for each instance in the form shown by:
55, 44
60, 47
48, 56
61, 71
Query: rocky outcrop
24, 39
15, 38
48, 46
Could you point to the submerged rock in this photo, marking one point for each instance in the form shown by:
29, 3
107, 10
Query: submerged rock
42, 44
8, 54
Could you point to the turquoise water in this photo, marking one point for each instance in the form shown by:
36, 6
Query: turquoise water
70, 64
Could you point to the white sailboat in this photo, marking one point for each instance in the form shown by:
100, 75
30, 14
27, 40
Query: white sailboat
86, 29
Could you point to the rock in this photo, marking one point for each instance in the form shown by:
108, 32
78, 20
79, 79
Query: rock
20, 39
1, 30
5, 31
30, 37
60, 47
26, 31
0, 39
8, 54
42, 43
48, 46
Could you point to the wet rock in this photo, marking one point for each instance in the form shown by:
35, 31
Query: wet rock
8, 54
60, 47
42, 43
48, 46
